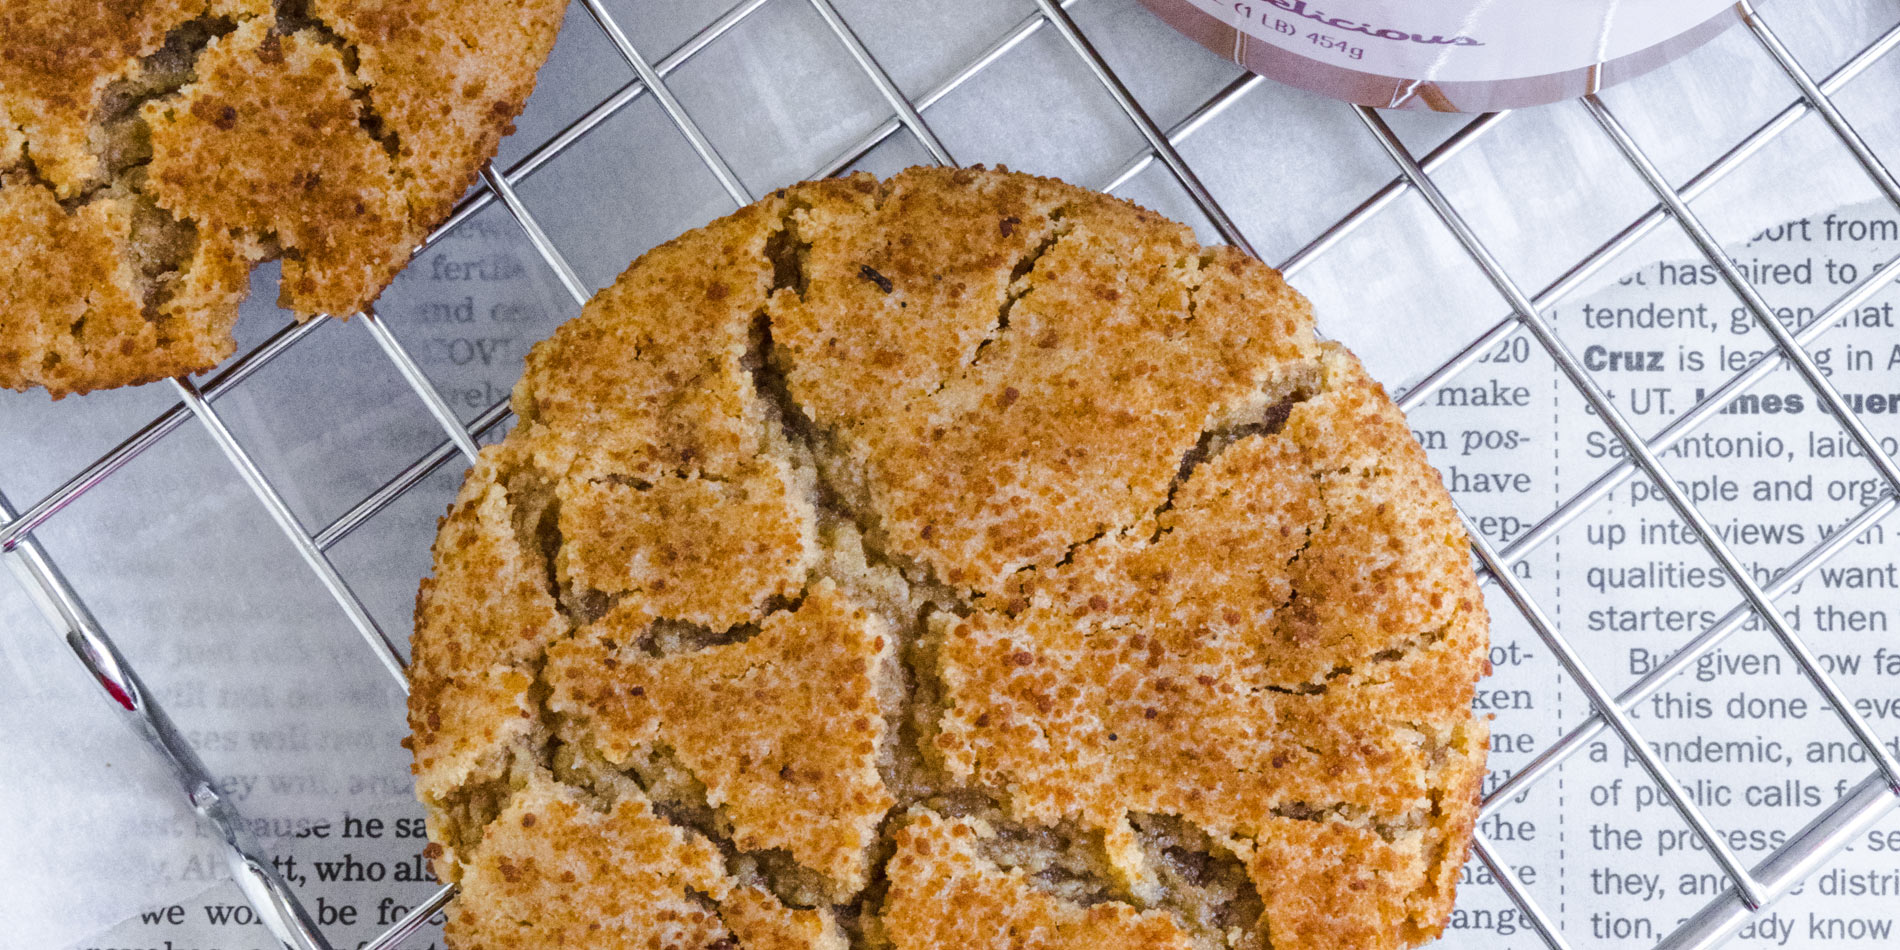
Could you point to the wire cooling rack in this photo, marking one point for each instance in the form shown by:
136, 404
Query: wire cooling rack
1750, 887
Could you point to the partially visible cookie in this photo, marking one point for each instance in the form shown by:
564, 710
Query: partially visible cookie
961, 560
152, 152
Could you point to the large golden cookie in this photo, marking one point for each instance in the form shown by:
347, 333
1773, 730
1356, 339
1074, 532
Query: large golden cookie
965, 560
152, 151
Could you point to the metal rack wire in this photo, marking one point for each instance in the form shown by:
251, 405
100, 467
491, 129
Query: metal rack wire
1751, 887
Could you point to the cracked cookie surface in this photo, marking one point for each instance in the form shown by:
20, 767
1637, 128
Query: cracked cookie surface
153, 151
964, 559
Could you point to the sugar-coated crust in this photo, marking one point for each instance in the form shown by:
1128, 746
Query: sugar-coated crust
760, 922
268, 140
492, 621
670, 543
554, 871
782, 728
944, 894
936, 562
1072, 390
72, 313
152, 152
